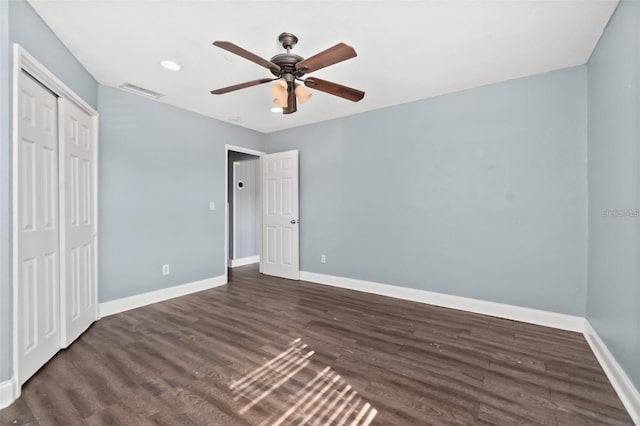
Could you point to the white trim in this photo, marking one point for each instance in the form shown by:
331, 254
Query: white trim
234, 263
23, 60
244, 150
500, 310
234, 148
9, 392
14, 203
260, 161
62, 225
96, 178
234, 210
625, 389
126, 303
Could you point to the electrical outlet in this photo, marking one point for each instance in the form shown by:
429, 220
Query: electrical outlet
212, 205
323, 258
166, 270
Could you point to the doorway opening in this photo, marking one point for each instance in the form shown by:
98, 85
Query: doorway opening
244, 208
265, 229
243, 243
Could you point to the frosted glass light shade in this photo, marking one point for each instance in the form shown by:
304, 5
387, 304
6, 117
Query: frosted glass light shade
302, 94
281, 102
279, 92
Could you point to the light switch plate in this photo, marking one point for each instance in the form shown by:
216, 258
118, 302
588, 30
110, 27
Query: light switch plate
212, 205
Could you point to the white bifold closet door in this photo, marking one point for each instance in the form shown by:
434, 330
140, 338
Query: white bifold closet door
79, 233
38, 242
55, 250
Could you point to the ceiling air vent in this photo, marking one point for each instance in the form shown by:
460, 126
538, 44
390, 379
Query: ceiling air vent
141, 91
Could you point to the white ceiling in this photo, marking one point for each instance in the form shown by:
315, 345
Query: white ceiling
406, 50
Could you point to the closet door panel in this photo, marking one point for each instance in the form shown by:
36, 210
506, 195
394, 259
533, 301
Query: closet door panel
38, 239
78, 245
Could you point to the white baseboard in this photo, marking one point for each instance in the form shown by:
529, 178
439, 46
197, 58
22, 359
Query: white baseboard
139, 300
500, 310
243, 261
627, 392
8, 392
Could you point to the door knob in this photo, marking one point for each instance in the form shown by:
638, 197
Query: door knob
293, 221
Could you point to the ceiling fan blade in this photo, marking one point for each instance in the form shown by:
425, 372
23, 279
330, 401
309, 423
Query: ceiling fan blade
240, 86
334, 89
226, 45
338, 53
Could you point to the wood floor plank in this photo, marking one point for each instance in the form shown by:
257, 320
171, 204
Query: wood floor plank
263, 350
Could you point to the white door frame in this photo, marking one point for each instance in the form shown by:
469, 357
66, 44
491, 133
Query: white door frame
258, 154
233, 189
22, 60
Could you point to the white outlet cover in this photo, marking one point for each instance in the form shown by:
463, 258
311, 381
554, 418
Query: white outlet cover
212, 205
166, 270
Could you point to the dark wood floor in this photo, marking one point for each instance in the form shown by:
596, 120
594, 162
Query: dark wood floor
265, 351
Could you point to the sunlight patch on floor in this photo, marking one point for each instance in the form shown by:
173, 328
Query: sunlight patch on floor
291, 389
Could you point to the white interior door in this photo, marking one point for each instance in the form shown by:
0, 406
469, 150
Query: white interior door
79, 292
280, 234
38, 231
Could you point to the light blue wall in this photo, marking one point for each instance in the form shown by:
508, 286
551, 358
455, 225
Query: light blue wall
614, 171
480, 193
159, 168
25, 27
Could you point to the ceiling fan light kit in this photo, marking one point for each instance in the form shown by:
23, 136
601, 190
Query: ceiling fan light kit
302, 94
289, 68
279, 92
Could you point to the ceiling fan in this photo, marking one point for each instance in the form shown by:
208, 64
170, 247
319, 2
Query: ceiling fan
289, 68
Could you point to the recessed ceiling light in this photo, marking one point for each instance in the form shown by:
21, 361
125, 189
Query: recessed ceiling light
233, 118
276, 109
170, 65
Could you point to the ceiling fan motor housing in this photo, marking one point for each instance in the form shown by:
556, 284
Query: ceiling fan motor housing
287, 61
